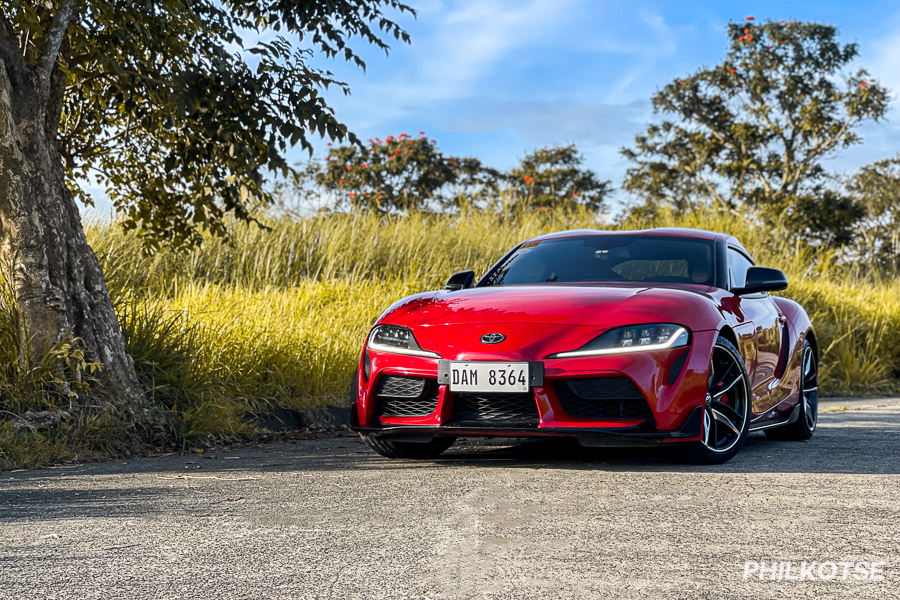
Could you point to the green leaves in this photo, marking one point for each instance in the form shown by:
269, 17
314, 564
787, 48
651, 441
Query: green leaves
167, 106
396, 174
406, 174
755, 129
554, 178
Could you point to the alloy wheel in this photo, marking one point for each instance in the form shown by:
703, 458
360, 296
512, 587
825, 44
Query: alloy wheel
727, 402
810, 388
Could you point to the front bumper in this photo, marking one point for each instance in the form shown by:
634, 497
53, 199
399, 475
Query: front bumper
619, 437
672, 383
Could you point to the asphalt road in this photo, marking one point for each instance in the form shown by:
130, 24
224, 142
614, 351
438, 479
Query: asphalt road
327, 518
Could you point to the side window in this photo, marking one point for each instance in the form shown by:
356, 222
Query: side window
737, 268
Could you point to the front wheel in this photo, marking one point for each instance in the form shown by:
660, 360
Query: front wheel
394, 449
803, 428
726, 414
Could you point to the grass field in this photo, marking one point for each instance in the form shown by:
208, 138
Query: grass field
277, 317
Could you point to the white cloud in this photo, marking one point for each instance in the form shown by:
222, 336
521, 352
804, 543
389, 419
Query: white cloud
885, 63
474, 37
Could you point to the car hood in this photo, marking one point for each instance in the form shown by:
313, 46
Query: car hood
532, 315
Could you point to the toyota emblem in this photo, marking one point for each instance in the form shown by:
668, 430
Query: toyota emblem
492, 338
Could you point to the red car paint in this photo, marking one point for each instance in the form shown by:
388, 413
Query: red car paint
539, 320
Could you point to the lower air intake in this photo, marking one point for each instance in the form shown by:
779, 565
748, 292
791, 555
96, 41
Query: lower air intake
602, 398
496, 409
406, 396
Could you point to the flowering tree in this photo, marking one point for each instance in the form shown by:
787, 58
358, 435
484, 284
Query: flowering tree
554, 178
402, 173
756, 128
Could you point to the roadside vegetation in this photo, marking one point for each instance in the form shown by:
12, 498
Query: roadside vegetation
275, 318
240, 297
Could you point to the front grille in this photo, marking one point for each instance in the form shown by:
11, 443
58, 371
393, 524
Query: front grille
508, 409
406, 396
602, 398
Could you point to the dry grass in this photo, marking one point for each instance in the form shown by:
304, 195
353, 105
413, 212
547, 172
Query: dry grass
276, 318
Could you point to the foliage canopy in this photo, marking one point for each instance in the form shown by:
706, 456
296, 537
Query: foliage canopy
755, 129
406, 173
180, 107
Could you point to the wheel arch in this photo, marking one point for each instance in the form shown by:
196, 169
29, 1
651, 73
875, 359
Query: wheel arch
813, 342
728, 333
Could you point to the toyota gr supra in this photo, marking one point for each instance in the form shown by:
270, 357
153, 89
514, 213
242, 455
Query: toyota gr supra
634, 338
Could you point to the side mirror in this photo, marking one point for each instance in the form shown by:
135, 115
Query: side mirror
762, 279
460, 281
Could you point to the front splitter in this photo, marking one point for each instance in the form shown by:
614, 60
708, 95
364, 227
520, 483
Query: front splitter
586, 436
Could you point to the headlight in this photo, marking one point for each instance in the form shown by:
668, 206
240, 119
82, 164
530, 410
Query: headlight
396, 339
636, 338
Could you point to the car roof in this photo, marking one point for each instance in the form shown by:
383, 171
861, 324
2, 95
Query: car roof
678, 232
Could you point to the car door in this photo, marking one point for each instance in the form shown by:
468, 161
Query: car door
760, 333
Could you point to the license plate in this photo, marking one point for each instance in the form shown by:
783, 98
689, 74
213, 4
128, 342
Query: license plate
489, 377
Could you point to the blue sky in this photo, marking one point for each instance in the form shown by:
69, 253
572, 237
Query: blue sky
496, 78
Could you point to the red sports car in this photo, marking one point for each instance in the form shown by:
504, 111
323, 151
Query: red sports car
633, 338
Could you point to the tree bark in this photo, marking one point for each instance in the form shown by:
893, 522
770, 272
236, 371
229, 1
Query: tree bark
55, 276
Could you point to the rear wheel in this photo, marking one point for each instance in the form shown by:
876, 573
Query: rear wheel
803, 428
394, 449
726, 414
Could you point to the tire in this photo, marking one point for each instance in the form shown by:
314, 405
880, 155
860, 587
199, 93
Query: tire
726, 417
803, 428
394, 449
354, 386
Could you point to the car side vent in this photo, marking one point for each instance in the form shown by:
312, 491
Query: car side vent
677, 366
367, 366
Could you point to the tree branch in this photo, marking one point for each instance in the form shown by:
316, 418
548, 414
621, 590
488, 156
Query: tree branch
53, 42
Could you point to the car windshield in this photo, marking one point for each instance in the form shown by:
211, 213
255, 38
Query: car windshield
608, 258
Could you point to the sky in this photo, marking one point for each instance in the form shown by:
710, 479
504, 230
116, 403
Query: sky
494, 79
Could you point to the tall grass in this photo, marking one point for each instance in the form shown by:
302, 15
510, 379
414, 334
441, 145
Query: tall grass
276, 317
280, 312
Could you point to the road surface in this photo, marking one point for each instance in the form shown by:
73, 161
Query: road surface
327, 518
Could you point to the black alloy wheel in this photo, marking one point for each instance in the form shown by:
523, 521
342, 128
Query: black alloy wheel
726, 413
803, 428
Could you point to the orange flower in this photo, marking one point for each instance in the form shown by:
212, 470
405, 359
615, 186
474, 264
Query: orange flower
340, 181
862, 84
732, 70
750, 19
379, 197
528, 180
349, 167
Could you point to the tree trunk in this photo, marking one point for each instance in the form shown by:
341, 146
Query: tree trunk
56, 279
